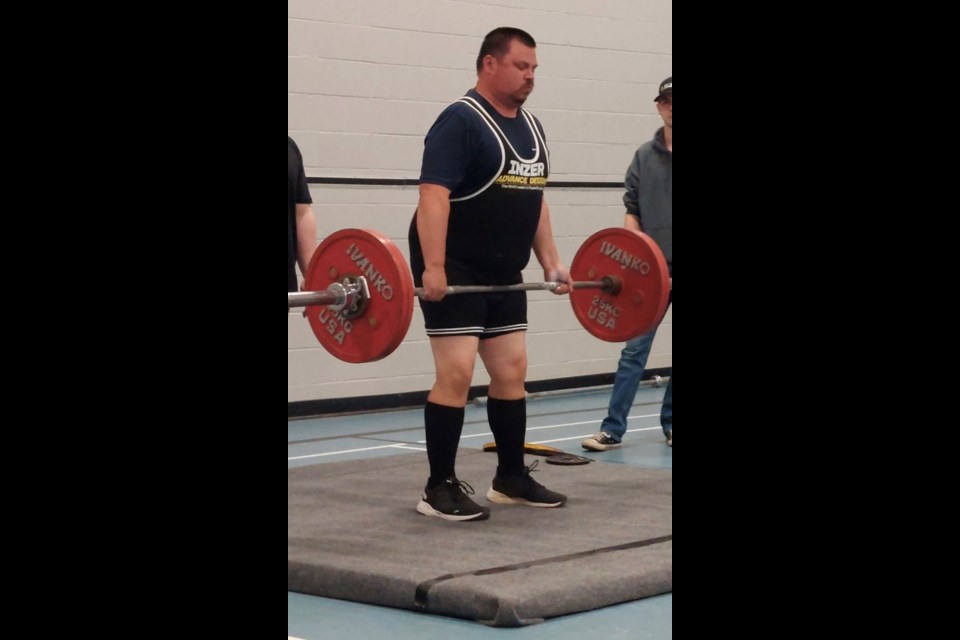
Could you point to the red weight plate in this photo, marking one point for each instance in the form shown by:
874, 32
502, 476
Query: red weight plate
636, 260
380, 326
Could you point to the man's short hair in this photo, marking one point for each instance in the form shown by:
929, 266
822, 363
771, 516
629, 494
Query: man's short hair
497, 43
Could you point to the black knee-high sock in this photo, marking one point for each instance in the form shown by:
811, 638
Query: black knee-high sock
443, 427
508, 422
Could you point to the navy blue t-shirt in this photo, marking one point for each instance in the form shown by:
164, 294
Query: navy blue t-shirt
444, 162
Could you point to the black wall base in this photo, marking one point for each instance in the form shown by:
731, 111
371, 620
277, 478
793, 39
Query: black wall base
310, 408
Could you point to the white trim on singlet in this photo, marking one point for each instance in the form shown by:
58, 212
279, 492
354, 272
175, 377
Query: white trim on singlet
494, 128
537, 135
482, 330
510, 327
503, 152
453, 330
490, 120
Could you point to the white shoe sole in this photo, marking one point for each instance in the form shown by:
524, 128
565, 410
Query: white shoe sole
593, 445
502, 498
424, 507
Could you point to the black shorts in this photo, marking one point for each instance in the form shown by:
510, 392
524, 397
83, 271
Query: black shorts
485, 315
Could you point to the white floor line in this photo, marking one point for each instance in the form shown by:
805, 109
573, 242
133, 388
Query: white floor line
410, 447
564, 424
336, 453
585, 435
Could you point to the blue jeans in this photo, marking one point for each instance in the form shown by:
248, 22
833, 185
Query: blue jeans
633, 361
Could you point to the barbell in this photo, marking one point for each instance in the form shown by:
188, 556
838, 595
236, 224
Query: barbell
359, 291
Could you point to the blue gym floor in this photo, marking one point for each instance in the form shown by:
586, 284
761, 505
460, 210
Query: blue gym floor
560, 419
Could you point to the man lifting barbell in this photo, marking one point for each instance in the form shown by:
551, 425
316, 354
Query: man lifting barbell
359, 303
480, 213
359, 290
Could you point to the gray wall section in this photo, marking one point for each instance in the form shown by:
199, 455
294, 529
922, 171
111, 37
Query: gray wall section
367, 78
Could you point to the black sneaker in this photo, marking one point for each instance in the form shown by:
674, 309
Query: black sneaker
600, 442
669, 434
523, 489
449, 500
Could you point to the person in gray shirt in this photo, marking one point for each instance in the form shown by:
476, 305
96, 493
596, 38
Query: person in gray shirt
649, 202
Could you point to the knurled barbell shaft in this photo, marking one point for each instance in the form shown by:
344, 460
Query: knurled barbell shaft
619, 290
336, 295
523, 286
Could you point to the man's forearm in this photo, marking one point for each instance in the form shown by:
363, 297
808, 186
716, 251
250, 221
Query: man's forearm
433, 215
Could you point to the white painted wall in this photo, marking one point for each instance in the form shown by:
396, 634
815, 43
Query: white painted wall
367, 78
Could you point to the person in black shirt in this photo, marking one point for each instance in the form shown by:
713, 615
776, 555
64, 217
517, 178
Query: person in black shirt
301, 223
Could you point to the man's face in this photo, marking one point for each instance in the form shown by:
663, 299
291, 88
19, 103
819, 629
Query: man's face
513, 73
665, 109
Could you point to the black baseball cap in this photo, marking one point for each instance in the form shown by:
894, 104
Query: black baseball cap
666, 88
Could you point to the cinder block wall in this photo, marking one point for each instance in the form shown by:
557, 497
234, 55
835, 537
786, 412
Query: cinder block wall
367, 78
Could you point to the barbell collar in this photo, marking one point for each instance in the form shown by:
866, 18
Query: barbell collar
336, 296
